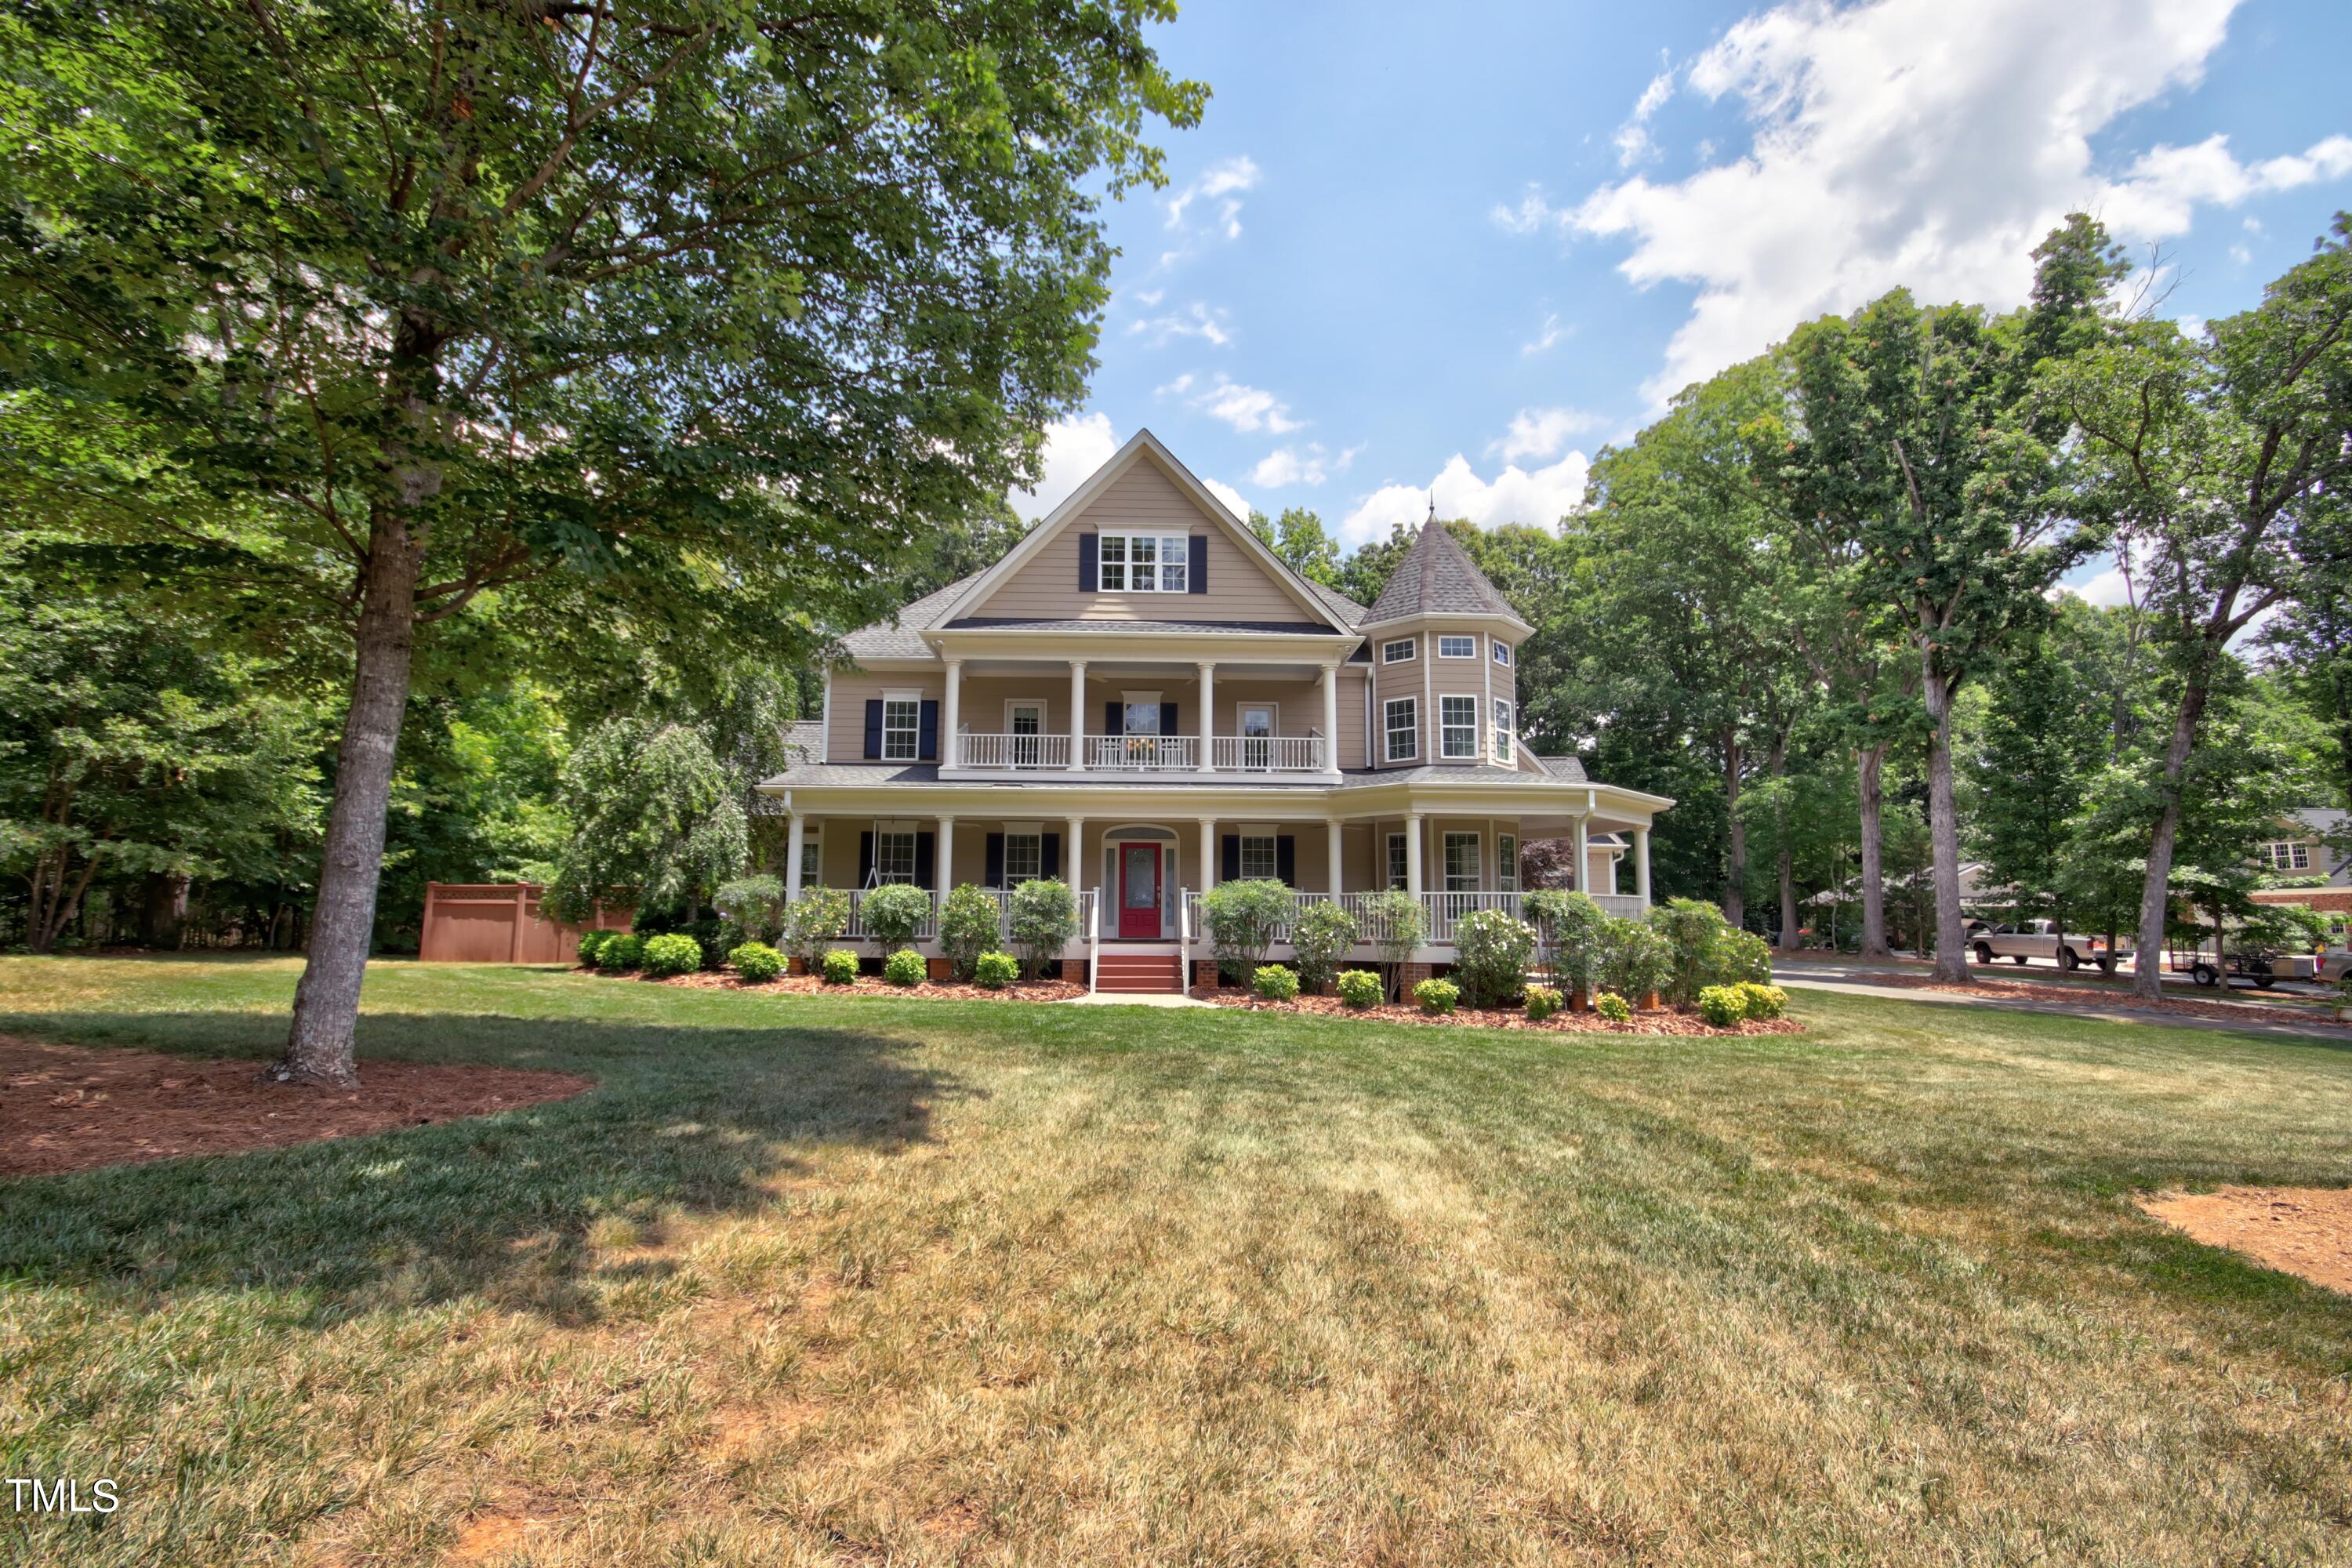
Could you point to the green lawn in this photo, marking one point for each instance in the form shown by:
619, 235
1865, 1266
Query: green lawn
811, 1281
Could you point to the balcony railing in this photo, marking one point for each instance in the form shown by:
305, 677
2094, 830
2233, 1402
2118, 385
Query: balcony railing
1143, 753
1013, 752
1268, 753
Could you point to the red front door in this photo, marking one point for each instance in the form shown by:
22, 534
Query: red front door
1138, 889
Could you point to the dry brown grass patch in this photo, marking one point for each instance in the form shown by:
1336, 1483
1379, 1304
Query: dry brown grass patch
2303, 1231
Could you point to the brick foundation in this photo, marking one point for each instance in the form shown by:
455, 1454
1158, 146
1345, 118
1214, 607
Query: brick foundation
1414, 974
1204, 972
1072, 970
937, 968
2328, 901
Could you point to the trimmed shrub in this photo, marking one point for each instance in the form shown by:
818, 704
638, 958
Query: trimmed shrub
622, 950
1437, 995
1543, 1001
591, 943
1693, 928
672, 952
840, 966
756, 905
1399, 923
1275, 983
1738, 958
1243, 917
904, 968
1492, 951
1360, 988
1613, 1007
995, 971
1570, 928
757, 963
1322, 934
814, 922
1722, 1006
1044, 916
967, 927
1635, 959
894, 913
1761, 1001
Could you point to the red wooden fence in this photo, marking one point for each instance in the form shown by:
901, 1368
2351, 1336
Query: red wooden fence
499, 922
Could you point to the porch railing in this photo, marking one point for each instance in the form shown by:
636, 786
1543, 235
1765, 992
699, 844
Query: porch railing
1267, 753
1143, 753
1012, 750
929, 930
1443, 911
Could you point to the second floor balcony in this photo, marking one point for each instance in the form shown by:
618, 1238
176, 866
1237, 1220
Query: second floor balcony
1246, 755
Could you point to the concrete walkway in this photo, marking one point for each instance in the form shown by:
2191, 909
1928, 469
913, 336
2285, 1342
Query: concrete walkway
1137, 999
1859, 980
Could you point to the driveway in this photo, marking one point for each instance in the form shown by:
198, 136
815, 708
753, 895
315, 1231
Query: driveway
1889, 980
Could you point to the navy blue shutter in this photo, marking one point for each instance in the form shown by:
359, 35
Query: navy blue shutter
1112, 722
865, 859
1286, 859
1049, 856
927, 860
873, 728
994, 877
926, 735
1170, 724
1089, 558
1196, 576
1229, 857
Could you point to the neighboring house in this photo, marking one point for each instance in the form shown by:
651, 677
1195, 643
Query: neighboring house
2302, 846
1142, 699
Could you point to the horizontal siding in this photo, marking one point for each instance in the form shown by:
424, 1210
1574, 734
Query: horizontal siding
846, 734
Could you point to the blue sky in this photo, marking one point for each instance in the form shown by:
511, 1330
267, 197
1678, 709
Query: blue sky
1452, 247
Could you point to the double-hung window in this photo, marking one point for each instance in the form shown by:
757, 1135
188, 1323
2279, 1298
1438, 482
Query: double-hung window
1502, 651
1024, 857
901, 722
1457, 648
1506, 862
1400, 868
1457, 719
2288, 856
894, 855
1144, 562
1503, 731
1257, 855
1401, 651
1403, 724
1461, 862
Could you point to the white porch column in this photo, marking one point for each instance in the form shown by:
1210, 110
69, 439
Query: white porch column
796, 837
1208, 853
1073, 865
944, 871
1583, 855
1208, 715
1331, 723
951, 748
1332, 854
1642, 866
1412, 825
1077, 715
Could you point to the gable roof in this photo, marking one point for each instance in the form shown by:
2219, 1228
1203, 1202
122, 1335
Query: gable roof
1139, 447
1437, 577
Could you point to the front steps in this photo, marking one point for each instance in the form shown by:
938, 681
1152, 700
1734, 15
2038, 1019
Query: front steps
1137, 973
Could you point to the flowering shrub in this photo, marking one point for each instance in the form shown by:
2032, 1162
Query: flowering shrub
1360, 988
1437, 995
904, 968
840, 967
1321, 935
812, 921
1043, 915
1492, 951
757, 962
1275, 983
967, 927
894, 913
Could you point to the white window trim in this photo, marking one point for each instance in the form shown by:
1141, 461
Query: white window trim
1044, 712
1127, 563
1248, 831
1444, 637
1502, 651
1388, 731
901, 828
1388, 655
1128, 700
1506, 881
1445, 753
1272, 708
1477, 859
1396, 861
915, 697
812, 849
1014, 830
1503, 721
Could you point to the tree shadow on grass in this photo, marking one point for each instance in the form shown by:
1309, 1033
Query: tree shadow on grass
683, 1121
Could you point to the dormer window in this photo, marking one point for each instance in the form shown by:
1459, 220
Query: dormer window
1398, 652
1145, 562
1457, 648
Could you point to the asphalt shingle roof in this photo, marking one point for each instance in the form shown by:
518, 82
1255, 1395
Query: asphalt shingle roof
1437, 577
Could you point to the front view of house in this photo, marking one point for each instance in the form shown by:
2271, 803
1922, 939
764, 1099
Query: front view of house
1143, 700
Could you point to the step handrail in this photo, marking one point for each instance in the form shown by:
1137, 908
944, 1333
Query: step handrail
1094, 951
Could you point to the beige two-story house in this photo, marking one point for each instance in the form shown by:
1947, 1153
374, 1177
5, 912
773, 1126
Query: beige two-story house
1142, 699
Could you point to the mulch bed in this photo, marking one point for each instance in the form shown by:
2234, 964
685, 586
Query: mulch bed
869, 985
1666, 1021
2305, 1231
72, 1108
2078, 995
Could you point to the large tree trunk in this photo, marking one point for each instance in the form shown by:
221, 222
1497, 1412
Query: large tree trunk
162, 910
1786, 860
2155, 890
1869, 765
320, 1047
1944, 827
1734, 871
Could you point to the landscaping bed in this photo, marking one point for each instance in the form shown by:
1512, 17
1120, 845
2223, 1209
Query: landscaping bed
1662, 1021
865, 985
72, 1108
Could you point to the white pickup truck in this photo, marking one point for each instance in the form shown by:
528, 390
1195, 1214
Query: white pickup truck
2039, 939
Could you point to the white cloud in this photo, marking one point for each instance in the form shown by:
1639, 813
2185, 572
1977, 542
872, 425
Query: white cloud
1147, 298
1301, 465
1248, 409
1230, 496
1541, 496
1541, 432
1550, 332
1219, 185
1913, 142
1074, 449
1197, 320
1633, 137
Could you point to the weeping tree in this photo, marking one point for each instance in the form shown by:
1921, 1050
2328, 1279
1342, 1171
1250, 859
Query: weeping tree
672, 315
